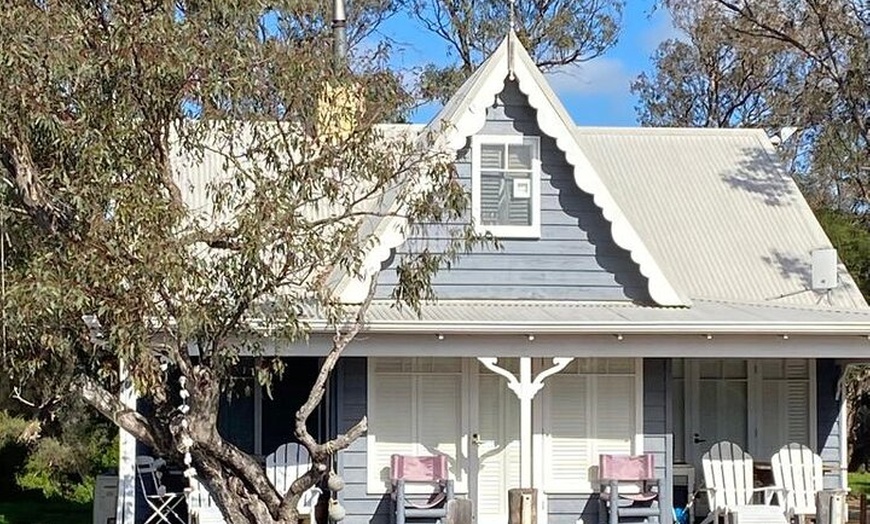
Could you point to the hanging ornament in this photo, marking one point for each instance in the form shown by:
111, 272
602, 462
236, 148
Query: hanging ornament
336, 511
186, 441
334, 482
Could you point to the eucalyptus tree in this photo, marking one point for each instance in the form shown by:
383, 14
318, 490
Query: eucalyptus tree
555, 32
118, 252
799, 63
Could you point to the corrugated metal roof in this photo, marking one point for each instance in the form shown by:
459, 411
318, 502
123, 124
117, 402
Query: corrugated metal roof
713, 209
703, 317
718, 213
200, 174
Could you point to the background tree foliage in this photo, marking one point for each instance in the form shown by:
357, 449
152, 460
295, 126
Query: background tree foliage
778, 63
105, 261
555, 32
56, 450
801, 63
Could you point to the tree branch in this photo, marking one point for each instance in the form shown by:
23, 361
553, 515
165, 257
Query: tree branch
320, 452
111, 407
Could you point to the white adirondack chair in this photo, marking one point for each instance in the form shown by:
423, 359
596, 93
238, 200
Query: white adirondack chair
730, 487
201, 508
284, 466
797, 472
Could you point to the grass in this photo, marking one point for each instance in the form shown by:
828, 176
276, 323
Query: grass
41, 511
859, 483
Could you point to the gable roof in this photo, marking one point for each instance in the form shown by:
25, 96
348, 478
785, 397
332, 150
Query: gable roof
465, 114
717, 212
707, 214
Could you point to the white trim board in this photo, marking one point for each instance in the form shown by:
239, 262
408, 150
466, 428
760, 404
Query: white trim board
547, 346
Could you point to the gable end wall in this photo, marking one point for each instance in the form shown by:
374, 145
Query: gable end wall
575, 258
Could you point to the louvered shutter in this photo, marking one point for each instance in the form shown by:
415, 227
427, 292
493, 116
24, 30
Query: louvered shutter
520, 156
519, 211
784, 416
391, 420
493, 185
415, 408
614, 415
499, 450
439, 422
569, 447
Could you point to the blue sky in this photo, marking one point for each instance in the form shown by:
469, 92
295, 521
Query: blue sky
596, 93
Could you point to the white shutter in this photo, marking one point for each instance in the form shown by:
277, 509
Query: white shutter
493, 194
499, 449
391, 420
588, 410
414, 408
439, 422
568, 452
614, 417
784, 416
797, 396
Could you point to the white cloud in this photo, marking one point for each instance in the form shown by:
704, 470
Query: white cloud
661, 27
600, 76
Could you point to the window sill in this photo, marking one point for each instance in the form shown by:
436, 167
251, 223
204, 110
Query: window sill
510, 232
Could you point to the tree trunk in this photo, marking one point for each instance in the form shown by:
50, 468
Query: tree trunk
238, 502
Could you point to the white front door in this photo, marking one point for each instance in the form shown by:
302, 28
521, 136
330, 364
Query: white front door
495, 446
718, 404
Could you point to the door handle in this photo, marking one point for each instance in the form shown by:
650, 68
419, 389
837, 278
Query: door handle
696, 438
475, 439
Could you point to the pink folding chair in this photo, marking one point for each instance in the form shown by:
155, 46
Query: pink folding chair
420, 470
642, 501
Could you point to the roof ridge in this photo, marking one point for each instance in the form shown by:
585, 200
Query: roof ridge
641, 130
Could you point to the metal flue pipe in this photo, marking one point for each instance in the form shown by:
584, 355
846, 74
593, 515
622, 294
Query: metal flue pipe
339, 33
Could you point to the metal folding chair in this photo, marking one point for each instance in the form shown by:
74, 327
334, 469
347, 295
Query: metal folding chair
642, 498
431, 471
163, 503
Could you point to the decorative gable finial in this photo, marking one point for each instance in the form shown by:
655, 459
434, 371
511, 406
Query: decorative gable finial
513, 7
510, 37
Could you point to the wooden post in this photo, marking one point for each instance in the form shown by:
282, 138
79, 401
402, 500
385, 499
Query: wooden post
522, 506
862, 511
459, 511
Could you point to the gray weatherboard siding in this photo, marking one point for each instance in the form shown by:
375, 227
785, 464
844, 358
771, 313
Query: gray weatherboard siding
575, 258
828, 408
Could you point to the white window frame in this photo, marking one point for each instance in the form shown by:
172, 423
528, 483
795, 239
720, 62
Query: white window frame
505, 231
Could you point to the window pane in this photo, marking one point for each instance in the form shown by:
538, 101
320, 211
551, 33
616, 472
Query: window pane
520, 156
494, 198
492, 156
519, 212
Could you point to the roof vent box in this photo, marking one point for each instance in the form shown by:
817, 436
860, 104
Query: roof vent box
824, 268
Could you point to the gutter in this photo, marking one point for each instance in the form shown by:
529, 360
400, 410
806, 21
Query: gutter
616, 328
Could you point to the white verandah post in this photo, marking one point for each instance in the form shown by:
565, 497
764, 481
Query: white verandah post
525, 388
125, 512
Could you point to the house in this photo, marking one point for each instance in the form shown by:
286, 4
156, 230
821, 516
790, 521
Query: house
657, 290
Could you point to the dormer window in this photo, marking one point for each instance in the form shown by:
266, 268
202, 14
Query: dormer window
506, 182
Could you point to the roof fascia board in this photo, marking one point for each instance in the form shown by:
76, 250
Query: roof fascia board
782, 328
458, 120
555, 345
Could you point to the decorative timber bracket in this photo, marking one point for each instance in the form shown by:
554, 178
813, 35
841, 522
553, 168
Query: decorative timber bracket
525, 388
